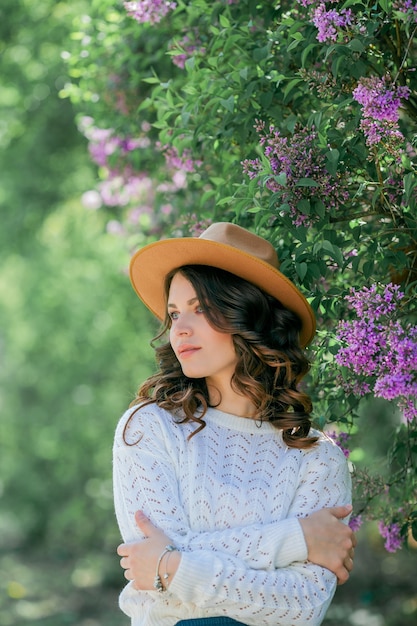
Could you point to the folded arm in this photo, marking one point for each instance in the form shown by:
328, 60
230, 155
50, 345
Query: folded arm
142, 469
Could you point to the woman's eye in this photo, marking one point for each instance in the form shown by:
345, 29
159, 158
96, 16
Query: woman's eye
173, 315
199, 309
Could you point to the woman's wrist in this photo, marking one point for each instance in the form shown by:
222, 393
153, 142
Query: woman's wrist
166, 567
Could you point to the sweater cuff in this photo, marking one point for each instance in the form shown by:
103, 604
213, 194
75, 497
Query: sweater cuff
189, 577
288, 539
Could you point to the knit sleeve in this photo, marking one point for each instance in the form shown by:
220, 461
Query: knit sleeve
144, 479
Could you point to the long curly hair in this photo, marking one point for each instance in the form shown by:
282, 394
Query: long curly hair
270, 363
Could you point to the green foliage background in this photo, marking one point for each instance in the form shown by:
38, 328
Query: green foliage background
74, 338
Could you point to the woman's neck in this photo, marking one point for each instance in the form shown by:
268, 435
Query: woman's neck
229, 401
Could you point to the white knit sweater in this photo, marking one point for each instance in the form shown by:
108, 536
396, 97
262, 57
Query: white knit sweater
229, 498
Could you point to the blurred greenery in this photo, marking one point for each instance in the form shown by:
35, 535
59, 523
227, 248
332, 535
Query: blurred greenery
74, 346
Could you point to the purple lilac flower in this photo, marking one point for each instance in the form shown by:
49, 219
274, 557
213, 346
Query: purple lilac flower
330, 22
296, 158
381, 101
115, 228
103, 142
193, 225
380, 98
340, 439
190, 48
377, 132
408, 7
380, 353
392, 535
124, 186
175, 161
355, 522
151, 11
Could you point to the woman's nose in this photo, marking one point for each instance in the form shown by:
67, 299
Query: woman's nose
183, 327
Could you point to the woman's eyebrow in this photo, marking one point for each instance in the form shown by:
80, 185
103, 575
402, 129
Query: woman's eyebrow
171, 305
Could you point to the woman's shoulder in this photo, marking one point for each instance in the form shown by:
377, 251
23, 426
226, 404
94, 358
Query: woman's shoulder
143, 419
325, 449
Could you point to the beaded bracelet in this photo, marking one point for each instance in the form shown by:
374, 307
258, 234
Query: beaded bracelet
157, 583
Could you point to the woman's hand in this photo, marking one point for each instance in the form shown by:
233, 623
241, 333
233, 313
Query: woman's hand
139, 559
330, 543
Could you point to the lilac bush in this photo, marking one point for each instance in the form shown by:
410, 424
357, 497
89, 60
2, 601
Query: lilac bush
298, 120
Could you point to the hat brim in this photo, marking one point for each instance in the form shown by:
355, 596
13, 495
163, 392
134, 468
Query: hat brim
150, 265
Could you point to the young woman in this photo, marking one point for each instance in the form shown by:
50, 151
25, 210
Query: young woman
228, 502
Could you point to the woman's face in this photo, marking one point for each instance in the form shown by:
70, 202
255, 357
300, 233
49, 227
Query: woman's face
202, 351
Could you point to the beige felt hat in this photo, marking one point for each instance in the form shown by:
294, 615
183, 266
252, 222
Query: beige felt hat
228, 247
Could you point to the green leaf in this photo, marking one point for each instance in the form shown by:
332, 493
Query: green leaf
228, 104
266, 99
356, 45
332, 161
334, 252
301, 269
190, 63
224, 22
304, 206
296, 42
151, 80
319, 208
281, 179
260, 53
306, 52
306, 182
414, 529
190, 89
291, 85
410, 182
385, 5
368, 268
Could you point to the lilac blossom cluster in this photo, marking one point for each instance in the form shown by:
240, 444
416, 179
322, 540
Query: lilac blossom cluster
392, 535
340, 438
355, 522
381, 101
323, 82
151, 11
122, 185
378, 351
177, 161
380, 98
187, 47
330, 22
407, 7
295, 159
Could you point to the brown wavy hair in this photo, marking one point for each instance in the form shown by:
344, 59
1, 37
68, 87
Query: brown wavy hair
270, 363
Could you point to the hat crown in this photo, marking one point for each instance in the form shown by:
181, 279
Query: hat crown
240, 238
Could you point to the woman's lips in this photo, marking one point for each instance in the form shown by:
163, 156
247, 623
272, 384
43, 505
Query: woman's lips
187, 350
